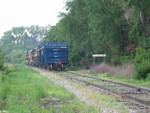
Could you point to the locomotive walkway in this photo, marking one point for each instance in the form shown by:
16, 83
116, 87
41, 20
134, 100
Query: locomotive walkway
136, 99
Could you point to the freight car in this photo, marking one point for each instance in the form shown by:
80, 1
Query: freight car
49, 56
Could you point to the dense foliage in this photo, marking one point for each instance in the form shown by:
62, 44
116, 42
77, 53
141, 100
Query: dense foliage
1, 61
113, 27
142, 63
18, 40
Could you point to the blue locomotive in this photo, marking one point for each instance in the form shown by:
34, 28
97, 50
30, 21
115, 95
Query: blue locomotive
49, 56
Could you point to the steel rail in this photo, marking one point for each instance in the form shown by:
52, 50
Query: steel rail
131, 86
143, 103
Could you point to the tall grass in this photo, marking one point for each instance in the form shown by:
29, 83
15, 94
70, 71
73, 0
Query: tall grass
122, 74
26, 91
125, 70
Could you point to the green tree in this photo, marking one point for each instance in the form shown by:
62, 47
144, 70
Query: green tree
20, 39
116, 28
92, 27
139, 22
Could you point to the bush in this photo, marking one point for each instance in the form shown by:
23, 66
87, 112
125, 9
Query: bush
85, 63
115, 60
142, 69
1, 62
119, 60
142, 63
148, 77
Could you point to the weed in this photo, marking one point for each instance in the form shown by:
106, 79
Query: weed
125, 70
23, 91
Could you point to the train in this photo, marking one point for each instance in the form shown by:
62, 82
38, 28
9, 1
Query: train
49, 56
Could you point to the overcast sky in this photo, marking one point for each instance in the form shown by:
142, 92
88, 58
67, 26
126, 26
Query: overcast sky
14, 13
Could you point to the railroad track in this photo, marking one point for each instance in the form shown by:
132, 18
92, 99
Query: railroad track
137, 95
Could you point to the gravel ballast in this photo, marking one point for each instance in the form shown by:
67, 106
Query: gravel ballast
84, 93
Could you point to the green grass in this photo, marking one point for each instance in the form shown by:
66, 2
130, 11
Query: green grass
26, 91
131, 81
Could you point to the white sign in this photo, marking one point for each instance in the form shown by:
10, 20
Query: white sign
99, 55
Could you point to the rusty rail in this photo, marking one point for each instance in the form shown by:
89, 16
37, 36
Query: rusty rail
143, 103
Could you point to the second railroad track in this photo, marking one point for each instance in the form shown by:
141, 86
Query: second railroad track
138, 95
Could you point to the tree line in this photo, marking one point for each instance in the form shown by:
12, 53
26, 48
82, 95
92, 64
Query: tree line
118, 28
18, 40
